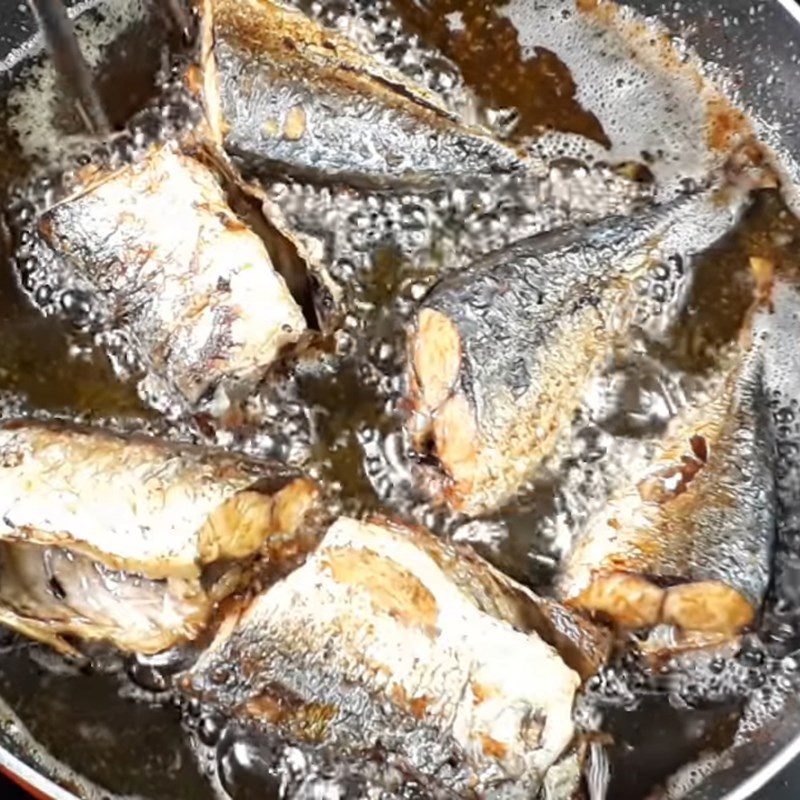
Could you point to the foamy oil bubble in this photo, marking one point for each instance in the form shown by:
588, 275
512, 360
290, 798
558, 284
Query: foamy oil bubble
691, 775
648, 92
246, 762
625, 409
447, 228
379, 32
36, 107
588, 464
22, 21
634, 396
775, 333
155, 673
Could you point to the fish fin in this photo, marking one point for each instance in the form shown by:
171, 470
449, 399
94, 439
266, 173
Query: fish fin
38, 631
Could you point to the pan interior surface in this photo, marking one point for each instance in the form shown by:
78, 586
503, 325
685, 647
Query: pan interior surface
111, 724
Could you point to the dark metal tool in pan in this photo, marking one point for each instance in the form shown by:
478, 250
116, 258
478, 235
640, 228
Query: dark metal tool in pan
776, 22
66, 54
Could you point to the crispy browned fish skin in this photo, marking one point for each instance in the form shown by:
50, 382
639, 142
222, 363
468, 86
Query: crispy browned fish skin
188, 283
86, 508
282, 91
690, 543
386, 634
500, 355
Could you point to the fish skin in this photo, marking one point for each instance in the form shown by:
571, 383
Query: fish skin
283, 92
693, 536
776, 328
381, 635
48, 593
583, 646
168, 510
189, 285
134, 509
500, 354
286, 96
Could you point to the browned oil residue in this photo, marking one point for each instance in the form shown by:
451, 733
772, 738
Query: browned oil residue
488, 53
419, 705
659, 488
416, 705
725, 286
481, 693
726, 125
35, 362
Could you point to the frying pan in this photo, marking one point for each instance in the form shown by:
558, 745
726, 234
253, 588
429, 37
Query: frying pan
758, 45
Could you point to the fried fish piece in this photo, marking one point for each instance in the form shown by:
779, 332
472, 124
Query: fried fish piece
689, 543
169, 264
664, 643
284, 95
129, 539
281, 91
500, 354
48, 592
388, 637
776, 329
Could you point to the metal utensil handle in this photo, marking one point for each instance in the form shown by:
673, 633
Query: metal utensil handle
60, 36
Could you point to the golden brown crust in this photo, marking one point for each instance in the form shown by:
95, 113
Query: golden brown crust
631, 601
707, 606
436, 354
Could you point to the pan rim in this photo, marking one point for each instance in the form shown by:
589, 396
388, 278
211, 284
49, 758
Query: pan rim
31, 776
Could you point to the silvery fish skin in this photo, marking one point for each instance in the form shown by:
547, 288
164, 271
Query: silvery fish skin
188, 284
281, 91
500, 354
689, 544
776, 328
92, 520
379, 637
